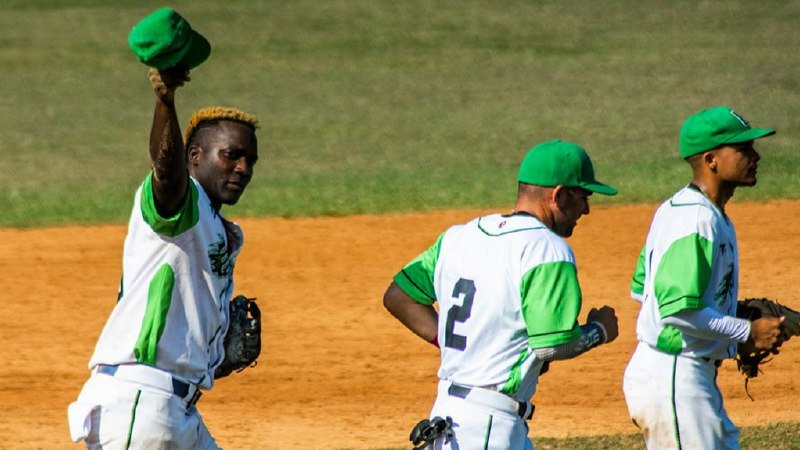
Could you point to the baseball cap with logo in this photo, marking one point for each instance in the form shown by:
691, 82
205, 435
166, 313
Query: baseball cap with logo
164, 39
555, 163
710, 128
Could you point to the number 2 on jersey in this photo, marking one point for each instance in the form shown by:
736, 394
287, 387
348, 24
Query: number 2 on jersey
458, 313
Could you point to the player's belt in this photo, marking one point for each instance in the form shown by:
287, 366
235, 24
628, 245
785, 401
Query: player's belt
493, 399
139, 373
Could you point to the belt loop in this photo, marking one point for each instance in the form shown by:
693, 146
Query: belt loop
106, 369
180, 388
526, 410
195, 398
459, 391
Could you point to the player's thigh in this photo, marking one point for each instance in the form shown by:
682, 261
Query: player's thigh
700, 414
648, 388
164, 422
113, 407
204, 439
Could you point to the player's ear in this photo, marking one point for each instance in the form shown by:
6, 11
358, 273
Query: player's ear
559, 196
710, 160
193, 154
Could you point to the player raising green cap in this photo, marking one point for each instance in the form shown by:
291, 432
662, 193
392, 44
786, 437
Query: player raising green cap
166, 335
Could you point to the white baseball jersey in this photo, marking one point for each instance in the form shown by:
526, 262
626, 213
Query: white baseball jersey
505, 284
177, 280
690, 260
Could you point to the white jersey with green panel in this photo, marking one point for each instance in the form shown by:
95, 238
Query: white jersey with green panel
172, 309
505, 284
690, 260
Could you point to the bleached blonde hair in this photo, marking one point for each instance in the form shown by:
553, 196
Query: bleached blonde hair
214, 114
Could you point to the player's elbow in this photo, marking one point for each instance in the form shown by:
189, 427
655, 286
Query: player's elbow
389, 300
395, 300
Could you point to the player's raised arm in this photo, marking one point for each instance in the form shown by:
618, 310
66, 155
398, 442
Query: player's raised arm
167, 154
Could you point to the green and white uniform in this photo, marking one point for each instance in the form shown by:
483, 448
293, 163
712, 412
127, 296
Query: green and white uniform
168, 325
689, 262
505, 285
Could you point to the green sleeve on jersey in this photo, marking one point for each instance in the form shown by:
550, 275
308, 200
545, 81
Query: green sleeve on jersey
683, 275
551, 301
637, 283
670, 340
416, 278
159, 297
186, 218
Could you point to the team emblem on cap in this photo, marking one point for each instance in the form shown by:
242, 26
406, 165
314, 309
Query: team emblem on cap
740, 119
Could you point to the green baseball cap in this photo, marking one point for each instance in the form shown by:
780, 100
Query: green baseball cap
710, 128
164, 39
557, 163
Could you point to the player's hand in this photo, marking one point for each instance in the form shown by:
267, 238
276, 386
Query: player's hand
165, 82
765, 332
608, 318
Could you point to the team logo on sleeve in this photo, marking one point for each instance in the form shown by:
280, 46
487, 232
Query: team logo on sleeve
221, 262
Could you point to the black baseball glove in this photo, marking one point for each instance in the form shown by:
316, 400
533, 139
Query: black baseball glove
748, 358
426, 431
243, 339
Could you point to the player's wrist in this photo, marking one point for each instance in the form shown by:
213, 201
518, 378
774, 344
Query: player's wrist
601, 329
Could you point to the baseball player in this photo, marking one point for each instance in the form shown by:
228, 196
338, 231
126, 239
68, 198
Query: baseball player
164, 337
687, 279
509, 302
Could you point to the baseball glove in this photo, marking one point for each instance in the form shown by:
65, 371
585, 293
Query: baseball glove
748, 358
243, 339
426, 431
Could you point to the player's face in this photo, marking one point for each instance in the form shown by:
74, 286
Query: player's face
224, 164
571, 204
738, 164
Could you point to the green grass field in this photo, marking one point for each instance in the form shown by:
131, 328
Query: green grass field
381, 106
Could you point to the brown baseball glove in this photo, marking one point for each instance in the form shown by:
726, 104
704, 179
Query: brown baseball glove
749, 358
243, 340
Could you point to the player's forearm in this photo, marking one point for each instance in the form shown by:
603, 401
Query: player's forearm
707, 323
168, 157
167, 154
166, 145
592, 335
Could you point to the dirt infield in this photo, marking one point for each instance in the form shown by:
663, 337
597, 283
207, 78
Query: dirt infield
337, 371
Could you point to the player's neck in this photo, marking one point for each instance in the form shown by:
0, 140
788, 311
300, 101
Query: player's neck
719, 193
535, 210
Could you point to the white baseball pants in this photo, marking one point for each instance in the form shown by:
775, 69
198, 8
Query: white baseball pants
675, 402
136, 409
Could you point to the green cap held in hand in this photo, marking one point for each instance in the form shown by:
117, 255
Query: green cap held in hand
164, 39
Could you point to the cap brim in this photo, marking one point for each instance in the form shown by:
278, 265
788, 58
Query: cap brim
750, 135
198, 52
600, 188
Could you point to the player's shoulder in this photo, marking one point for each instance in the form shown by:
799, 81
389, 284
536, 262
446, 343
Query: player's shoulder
549, 247
690, 202
688, 211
